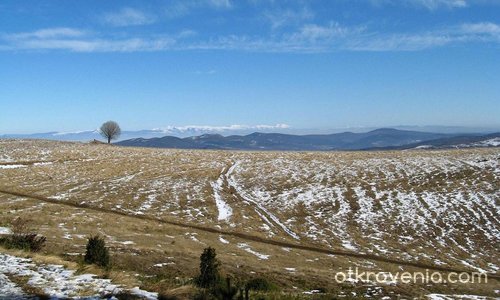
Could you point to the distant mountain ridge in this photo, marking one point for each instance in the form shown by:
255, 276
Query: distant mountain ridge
195, 130
384, 138
458, 141
179, 131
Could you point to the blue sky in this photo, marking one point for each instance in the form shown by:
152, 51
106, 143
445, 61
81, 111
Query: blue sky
70, 65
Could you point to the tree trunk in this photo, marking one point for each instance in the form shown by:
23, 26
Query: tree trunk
109, 140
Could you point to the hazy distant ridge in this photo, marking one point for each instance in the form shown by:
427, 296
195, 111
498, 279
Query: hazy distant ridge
379, 138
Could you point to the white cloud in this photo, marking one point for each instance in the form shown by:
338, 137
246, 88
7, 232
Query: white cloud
208, 72
309, 38
59, 32
284, 17
79, 41
186, 33
433, 4
128, 17
481, 28
399, 42
209, 128
314, 32
465, 33
429, 4
220, 3
185, 7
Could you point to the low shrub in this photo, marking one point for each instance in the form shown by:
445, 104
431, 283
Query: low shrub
225, 291
96, 252
21, 226
260, 284
29, 241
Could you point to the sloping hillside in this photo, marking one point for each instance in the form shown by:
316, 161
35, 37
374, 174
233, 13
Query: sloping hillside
382, 211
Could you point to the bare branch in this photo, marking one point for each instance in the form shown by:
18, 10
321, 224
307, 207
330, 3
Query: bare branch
110, 130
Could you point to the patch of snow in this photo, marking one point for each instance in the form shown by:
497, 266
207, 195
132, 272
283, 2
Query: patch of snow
146, 205
494, 142
249, 250
161, 265
62, 196
127, 243
45, 163
222, 240
472, 266
311, 292
348, 245
12, 166
424, 147
54, 280
9, 290
5, 230
225, 211
142, 293
454, 297
232, 182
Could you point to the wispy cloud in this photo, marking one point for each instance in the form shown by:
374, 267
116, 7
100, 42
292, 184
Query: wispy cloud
59, 32
315, 32
283, 17
464, 33
209, 128
400, 42
75, 40
428, 4
481, 28
182, 8
220, 3
433, 4
205, 72
308, 38
128, 17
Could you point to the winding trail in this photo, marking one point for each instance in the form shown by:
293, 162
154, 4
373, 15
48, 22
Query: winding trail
240, 235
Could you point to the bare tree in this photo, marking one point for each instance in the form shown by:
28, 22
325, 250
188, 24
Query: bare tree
110, 130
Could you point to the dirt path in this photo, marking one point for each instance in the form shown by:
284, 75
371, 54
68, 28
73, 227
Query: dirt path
263, 213
243, 236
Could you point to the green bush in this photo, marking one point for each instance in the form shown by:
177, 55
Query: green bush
23, 237
209, 269
260, 284
96, 252
29, 241
225, 291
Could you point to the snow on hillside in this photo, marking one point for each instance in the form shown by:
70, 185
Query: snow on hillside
495, 142
420, 206
55, 281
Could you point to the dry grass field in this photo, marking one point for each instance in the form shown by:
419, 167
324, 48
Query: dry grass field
296, 218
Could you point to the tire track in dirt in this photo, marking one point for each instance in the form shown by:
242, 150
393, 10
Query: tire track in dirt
263, 213
244, 236
26, 162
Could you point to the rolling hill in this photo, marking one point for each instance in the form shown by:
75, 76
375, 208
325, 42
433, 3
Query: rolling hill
295, 218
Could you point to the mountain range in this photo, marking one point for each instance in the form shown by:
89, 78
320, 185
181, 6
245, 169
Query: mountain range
178, 131
238, 137
384, 138
227, 130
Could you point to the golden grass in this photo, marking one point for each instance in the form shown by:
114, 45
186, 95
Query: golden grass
104, 177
